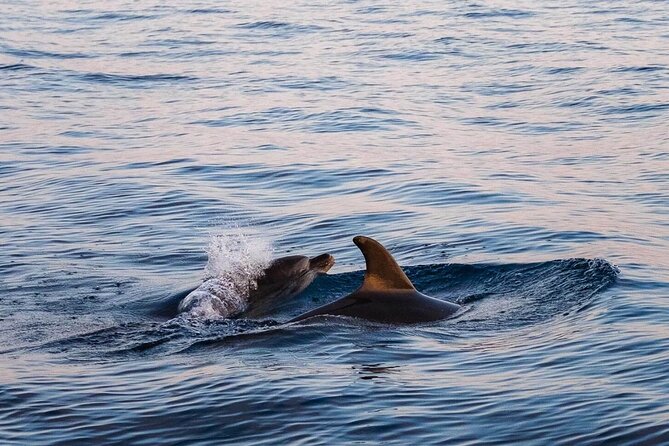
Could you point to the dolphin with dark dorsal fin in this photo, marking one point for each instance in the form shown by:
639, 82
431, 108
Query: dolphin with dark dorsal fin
386, 294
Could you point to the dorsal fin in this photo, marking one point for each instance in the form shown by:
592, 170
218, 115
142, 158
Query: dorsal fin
383, 272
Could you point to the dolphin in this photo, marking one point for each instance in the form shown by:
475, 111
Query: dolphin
284, 278
386, 294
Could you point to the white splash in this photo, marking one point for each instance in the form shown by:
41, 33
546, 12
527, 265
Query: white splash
235, 261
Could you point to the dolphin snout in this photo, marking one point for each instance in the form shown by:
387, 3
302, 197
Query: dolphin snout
322, 263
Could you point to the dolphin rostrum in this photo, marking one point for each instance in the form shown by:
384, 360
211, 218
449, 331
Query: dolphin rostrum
386, 294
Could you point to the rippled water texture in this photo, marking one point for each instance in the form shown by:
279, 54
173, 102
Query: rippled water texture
514, 155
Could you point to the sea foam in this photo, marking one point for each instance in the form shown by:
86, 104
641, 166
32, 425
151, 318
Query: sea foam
235, 261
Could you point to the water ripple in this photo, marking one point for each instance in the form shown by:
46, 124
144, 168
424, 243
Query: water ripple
500, 151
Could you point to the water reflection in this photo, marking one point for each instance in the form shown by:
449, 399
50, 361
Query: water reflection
492, 133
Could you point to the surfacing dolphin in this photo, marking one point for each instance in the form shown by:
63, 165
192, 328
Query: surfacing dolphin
386, 294
283, 279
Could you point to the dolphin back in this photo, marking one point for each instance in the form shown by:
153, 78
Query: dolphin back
386, 294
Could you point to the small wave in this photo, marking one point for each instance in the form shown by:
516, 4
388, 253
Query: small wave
134, 80
272, 25
636, 109
495, 296
335, 121
209, 11
495, 13
413, 56
16, 67
563, 70
639, 69
433, 193
41, 54
121, 17
264, 25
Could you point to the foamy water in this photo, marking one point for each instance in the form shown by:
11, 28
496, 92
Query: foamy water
235, 261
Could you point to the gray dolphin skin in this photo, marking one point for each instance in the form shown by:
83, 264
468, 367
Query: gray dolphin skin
386, 294
284, 278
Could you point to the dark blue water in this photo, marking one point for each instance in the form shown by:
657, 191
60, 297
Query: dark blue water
514, 156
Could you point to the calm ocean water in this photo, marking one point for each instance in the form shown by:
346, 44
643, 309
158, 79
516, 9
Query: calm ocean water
513, 155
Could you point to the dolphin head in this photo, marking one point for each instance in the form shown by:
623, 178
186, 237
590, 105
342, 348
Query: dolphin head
285, 278
321, 264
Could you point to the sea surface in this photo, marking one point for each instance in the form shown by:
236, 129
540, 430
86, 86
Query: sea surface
512, 155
